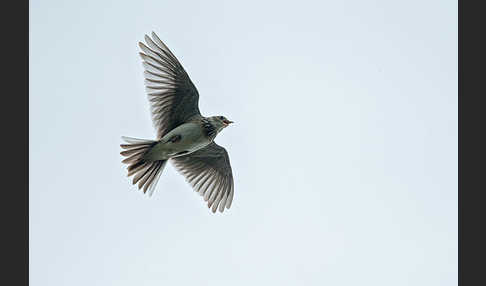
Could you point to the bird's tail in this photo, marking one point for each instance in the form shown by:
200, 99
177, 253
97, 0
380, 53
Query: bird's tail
146, 172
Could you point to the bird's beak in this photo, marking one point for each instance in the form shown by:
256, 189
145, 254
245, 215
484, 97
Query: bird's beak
228, 122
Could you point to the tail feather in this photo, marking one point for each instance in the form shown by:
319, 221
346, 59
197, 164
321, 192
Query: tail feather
132, 140
133, 151
146, 173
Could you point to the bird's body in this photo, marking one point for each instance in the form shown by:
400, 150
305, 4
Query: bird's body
184, 136
182, 140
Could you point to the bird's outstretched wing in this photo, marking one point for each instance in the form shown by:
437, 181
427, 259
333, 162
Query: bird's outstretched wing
173, 97
208, 170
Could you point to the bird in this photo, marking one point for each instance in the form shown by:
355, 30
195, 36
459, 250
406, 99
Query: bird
184, 136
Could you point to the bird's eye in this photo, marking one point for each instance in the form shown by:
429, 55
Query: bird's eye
221, 117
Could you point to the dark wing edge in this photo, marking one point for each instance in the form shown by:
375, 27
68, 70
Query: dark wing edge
208, 171
172, 95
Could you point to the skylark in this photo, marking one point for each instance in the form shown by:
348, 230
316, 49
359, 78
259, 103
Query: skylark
184, 136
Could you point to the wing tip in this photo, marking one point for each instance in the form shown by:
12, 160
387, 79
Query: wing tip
147, 38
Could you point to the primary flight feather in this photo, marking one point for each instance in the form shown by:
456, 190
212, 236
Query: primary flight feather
184, 136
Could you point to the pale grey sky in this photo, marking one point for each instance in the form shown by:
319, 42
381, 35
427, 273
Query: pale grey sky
344, 150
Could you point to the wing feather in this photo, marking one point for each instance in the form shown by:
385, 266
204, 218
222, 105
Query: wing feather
172, 95
208, 171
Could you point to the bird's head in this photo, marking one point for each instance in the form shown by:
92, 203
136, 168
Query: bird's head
219, 122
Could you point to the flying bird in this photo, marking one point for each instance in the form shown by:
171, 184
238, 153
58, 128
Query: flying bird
184, 136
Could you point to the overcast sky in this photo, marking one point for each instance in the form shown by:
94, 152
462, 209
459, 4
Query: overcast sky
344, 150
